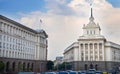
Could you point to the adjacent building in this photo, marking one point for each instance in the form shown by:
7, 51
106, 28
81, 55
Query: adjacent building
92, 50
22, 48
58, 60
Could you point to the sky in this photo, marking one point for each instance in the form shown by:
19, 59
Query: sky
63, 19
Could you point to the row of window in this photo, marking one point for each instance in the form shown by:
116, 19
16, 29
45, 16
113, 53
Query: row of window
6, 38
13, 54
96, 58
91, 32
7, 28
14, 30
91, 45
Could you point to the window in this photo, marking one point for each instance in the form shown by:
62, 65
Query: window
95, 45
0, 53
0, 37
94, 31
0, 45
86, 46
86, 58
87, 32
90, 32
91, 46
100, 46
101, 57
81, 46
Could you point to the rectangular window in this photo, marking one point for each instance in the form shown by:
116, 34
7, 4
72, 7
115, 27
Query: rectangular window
0, 37
0, 45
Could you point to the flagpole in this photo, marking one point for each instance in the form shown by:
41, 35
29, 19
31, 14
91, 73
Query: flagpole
40, 24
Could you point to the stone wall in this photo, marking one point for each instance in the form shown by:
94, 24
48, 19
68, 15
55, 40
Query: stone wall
99, 65
14, 65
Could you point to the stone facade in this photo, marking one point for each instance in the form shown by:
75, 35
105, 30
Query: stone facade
20, 45
14, 65
98, 65
93, 49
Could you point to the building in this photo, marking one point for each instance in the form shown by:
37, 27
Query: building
58, 60
92, 50
22, 48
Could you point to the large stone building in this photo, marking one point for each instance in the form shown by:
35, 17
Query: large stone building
22, 48
92, 50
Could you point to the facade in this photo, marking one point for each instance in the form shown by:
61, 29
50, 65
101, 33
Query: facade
92, 50
22, 48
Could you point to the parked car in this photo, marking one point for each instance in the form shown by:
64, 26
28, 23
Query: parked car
72, 72
26, 73
98, 72
91, 71
62, 72
81, 72
104, 72
50, 73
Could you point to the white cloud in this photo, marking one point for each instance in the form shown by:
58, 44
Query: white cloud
63, 22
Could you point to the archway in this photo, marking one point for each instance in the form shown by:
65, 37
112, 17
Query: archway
19, 66
2, 65
7, 66
24, 66
91, 66
86, 66
32, 66
28, 65
96, 67
13, 66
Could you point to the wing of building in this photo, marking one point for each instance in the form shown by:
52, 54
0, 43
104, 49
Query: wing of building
22, 48
92, 50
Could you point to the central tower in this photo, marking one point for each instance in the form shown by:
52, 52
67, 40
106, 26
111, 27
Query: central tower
91, 29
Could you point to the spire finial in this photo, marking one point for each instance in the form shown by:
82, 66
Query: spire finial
91, 17
91, 13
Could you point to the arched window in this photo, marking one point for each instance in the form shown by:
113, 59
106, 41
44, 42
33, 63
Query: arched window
32, 66
100, 45
91, 66
96, 67
24, 66
13, 66
86, 46
95, 45
7, 66
86, 66
28, 66
91, 46
19, 66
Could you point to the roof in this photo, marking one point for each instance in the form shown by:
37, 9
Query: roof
22, 26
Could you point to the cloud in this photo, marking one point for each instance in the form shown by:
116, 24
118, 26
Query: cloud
64, 20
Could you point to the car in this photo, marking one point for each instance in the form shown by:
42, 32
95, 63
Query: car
81, 72
62, 72
91, 71
104, 72
26, 73
50, 73
72, 72
98, 72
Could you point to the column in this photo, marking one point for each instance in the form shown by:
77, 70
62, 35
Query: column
103, 52
93, 52
84, 51
98, 51
79, 52
88, 52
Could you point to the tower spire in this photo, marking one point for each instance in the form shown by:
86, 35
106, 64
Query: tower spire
91, 17
91, 13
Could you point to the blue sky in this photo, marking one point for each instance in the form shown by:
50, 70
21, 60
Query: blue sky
115, 3
12, 7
